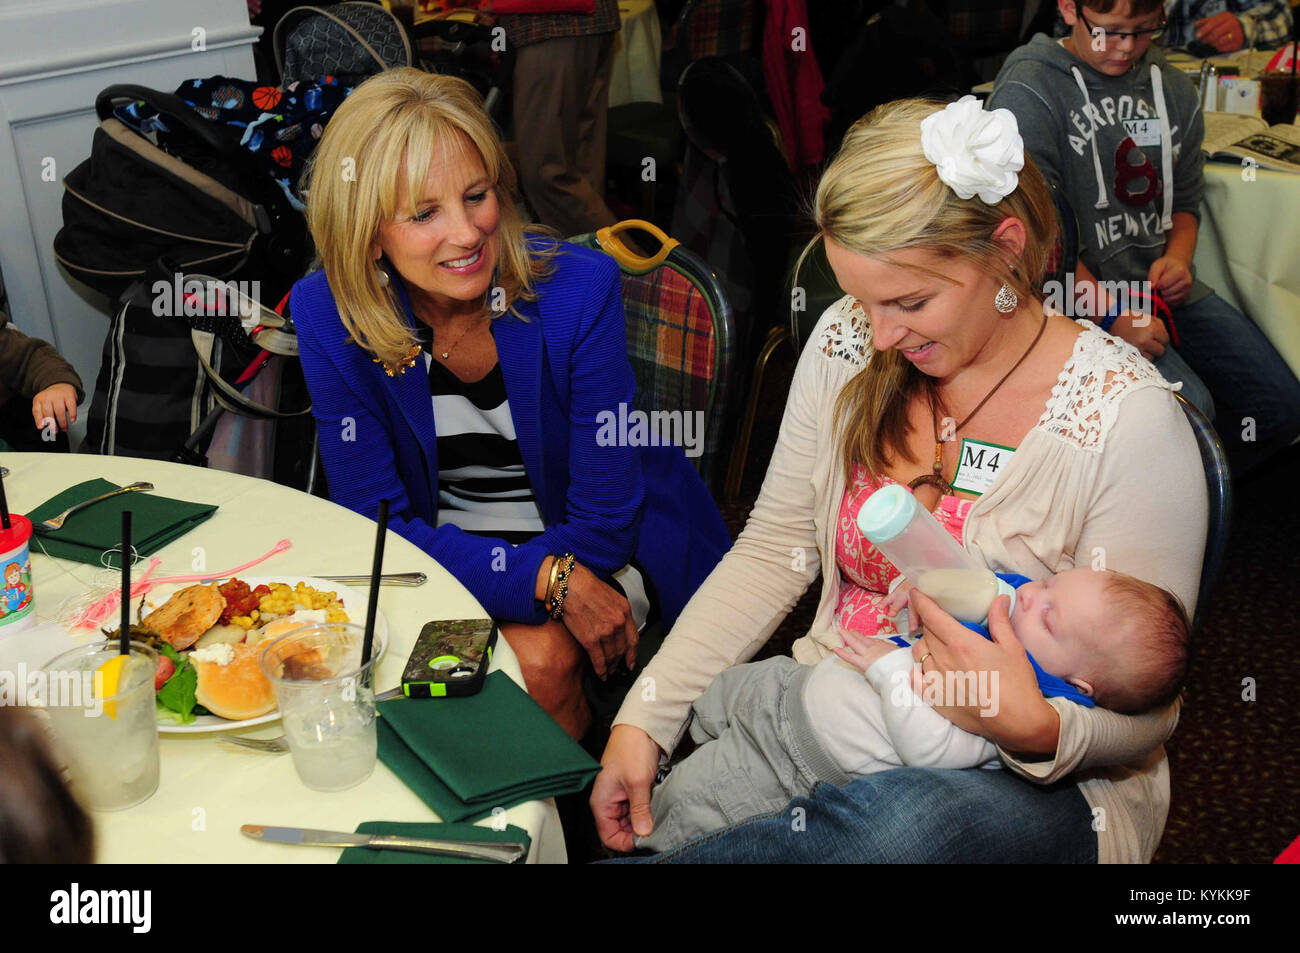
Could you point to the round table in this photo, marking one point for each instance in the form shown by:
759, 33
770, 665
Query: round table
1246, 250
208, 790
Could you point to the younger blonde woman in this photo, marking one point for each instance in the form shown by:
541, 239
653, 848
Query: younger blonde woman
937, 227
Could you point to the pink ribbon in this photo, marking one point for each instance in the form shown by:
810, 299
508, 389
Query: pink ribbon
94, 616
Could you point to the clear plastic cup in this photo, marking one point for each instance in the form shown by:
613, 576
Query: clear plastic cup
327, 702
110, 743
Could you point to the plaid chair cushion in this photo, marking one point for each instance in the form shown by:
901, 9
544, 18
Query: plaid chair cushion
673, 350
669, 341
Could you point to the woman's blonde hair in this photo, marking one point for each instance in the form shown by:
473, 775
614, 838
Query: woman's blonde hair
379, 143
881, 195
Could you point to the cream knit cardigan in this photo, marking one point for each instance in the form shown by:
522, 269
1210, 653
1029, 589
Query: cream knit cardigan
1110, 475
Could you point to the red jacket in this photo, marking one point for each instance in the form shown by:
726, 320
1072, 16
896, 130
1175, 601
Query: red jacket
794, 81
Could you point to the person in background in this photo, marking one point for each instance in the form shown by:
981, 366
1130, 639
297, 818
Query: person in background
40, 821
1228, 25
32, 371
561, 97
1222, 26
1136, 190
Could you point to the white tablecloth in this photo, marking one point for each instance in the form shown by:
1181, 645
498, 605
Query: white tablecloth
1247, 247
634, 76
208, 790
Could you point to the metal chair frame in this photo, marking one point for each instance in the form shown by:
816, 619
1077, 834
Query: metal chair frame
693, 268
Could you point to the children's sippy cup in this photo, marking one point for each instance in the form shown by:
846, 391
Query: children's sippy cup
928, 557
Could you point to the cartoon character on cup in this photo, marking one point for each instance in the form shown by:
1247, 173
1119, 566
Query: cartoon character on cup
16, 592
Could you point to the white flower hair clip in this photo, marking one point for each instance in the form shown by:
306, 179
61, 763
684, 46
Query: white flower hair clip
976, 152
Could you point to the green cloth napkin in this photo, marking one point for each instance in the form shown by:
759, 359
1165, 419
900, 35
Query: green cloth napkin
485, 835
87, 535
465, 756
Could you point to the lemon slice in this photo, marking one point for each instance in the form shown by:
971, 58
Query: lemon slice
107, 679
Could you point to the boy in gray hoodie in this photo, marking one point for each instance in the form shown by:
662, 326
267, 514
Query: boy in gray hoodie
1118, 133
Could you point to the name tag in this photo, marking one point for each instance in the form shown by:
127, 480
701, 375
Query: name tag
1143, 132
978, 465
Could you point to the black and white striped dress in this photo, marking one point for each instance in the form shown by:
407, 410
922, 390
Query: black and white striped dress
482, 485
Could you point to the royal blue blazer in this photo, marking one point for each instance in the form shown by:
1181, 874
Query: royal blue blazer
563, 363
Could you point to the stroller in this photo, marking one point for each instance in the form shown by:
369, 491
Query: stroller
350, 40
187, 236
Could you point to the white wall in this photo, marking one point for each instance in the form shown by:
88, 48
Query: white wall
55, 57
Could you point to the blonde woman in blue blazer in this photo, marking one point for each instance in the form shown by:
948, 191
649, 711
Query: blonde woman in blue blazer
438, 326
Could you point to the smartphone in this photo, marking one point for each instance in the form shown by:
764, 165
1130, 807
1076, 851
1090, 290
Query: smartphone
450, 658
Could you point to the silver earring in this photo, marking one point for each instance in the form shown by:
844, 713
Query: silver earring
381, 274
1006, 300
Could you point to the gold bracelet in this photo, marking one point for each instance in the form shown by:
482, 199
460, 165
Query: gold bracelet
550, 584
561, 585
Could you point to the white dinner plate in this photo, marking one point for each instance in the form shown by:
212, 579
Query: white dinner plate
354, 603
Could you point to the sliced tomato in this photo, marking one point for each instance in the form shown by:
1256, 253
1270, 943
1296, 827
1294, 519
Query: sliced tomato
166, 668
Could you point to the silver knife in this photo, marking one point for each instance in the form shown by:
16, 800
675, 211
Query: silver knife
387, 579
304, 837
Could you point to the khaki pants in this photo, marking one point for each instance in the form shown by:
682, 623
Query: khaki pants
561, 99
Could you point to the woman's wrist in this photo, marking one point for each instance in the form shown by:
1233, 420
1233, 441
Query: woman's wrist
629, 737
1039, 736
543, 579
557, 585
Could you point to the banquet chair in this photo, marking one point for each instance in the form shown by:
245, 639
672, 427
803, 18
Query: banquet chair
641, 130
819, 291
1218, 482
680, 333
1213, 456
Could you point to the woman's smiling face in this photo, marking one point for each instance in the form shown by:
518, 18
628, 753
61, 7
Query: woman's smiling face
444, 244
940, 324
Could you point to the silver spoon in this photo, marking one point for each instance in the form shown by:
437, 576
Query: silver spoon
56, 522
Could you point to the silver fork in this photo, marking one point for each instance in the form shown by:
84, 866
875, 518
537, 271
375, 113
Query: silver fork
270, 745
280, 744
56, 522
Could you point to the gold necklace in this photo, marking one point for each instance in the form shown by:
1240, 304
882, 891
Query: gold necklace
447, 353
936, 479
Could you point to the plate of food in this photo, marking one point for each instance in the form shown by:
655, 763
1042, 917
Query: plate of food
210, 638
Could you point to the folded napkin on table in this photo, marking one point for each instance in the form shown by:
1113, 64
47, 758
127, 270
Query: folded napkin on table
465, 756
484, 835
87, 535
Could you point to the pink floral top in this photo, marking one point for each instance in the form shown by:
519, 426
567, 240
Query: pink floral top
865, 574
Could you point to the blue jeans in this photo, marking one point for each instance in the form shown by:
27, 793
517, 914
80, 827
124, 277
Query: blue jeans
1247, 377
910, 816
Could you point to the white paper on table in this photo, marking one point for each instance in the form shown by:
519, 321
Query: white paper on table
33, 648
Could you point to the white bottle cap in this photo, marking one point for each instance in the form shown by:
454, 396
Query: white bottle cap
1004, 589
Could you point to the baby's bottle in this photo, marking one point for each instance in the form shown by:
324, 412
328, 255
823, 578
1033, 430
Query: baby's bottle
927, 555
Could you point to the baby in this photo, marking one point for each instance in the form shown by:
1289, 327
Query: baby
770, 730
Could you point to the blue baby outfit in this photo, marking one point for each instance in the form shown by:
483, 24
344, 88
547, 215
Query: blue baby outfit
1050, 685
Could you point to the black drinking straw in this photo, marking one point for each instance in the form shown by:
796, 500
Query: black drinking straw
125, 635
375, 572
1291, 97
4, 506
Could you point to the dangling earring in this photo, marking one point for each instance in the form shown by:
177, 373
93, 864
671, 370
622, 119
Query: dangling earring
381, 275
1006, 299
